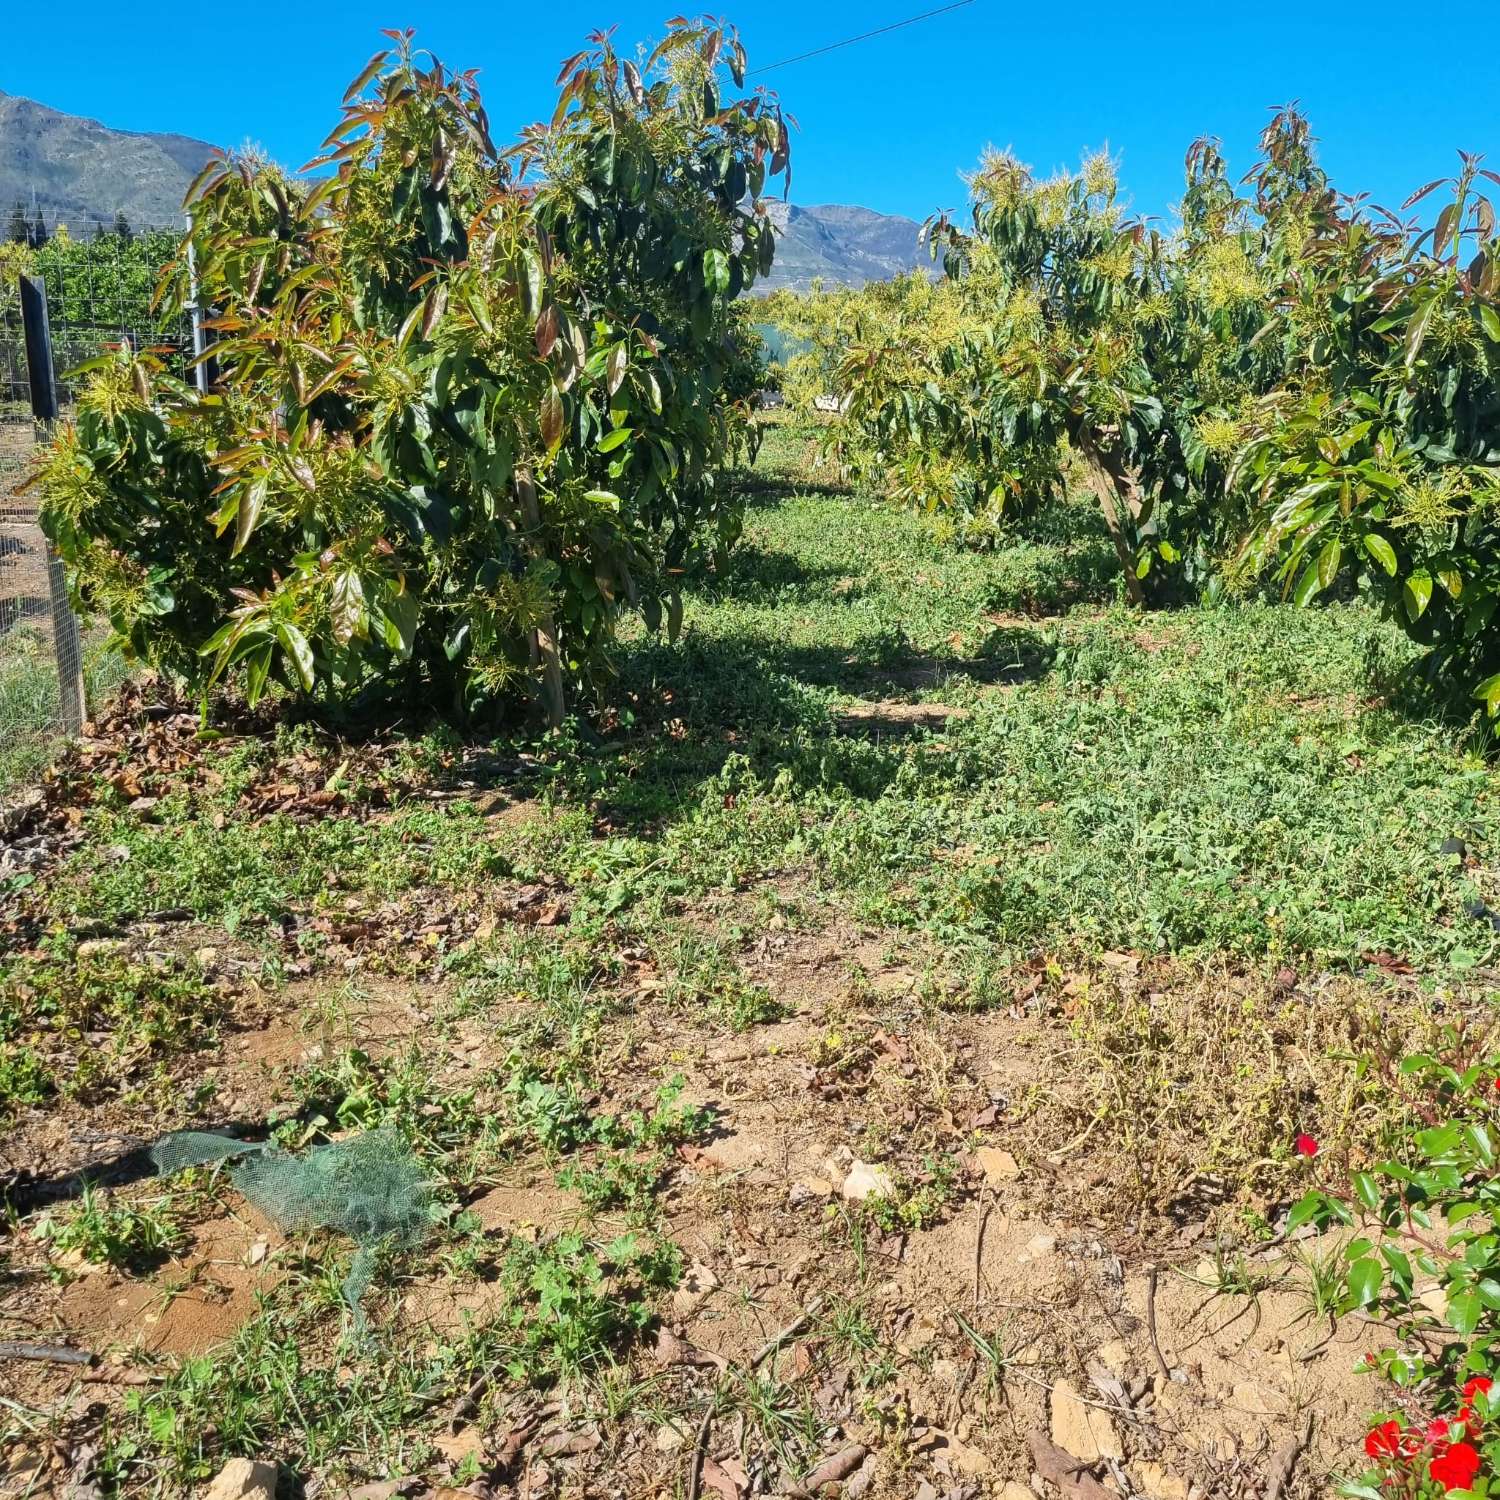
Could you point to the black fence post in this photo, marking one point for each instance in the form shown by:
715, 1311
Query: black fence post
66, 646
38, 335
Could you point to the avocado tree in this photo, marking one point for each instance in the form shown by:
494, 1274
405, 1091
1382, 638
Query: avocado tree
471, 400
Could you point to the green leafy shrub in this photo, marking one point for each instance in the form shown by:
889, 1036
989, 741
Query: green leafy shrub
1425, 1258
471, 402
1289, 386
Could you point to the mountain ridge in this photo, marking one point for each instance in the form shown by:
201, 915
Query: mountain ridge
78, 171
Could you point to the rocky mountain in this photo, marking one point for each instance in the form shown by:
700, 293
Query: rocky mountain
841, 244
76, 170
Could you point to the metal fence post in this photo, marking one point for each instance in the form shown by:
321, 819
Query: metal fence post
203, 374
66, 646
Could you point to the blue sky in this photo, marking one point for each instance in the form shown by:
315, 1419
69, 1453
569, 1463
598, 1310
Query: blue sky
887, 124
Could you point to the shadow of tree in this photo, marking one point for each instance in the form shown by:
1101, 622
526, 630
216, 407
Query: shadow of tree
760, 576
774, 705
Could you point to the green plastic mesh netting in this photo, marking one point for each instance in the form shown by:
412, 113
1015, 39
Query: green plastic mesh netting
369, 1187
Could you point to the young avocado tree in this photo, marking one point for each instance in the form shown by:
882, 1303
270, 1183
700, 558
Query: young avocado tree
1378, 465
471, 401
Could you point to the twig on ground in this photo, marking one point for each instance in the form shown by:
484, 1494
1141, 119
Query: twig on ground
1284, 1462
984, 1215
53, 1354
1152, 1272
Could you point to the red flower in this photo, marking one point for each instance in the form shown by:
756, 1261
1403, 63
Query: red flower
1438, 1431
1307, 1146
1480, 1385
1384, 1441
1457, 1468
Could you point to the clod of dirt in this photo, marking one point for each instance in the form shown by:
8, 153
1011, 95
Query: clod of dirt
1160, 1485
243, 1479
1080, 1429
999, 1167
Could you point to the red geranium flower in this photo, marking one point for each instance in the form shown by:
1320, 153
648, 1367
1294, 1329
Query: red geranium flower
1384, 1441
1480, 1385
1307, 1146
1457, 1468
1438, 1430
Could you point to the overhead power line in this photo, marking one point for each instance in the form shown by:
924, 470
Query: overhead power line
864, 36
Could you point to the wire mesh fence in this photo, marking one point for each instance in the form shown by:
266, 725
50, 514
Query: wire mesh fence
68, 303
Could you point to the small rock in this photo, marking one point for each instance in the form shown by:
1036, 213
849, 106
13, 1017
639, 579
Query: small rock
98, 947
460, 1445
813, 1190
1256, 1400
999, 1167
670, 1438
969, 1461
866, 1181
1080, 1429
243, 1479
1039, 1247
696, 1288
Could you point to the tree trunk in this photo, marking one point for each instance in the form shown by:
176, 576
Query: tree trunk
544, 637
1111, 497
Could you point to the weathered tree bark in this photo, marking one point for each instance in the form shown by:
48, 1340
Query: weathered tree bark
544, 637
1111, 497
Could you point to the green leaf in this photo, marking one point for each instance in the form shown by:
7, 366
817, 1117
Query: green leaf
1488, 693
606, 498
551, 419
1464, 1312
1365, 1278
1308, 586
252, 502
716, 271
258, 670
1418, 592
294, 643
612, 440
347, 613
1491, 321
1316, 1208
1328, 562
531, 282
1381, 550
